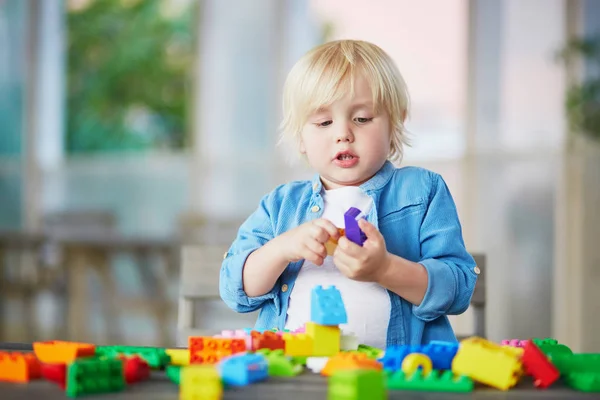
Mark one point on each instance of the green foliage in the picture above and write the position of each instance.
(128, 76)
(583, 99)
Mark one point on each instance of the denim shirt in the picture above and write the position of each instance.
(414, 211)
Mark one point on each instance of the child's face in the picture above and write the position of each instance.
(346, 142)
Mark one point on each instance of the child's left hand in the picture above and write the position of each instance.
(367, 263)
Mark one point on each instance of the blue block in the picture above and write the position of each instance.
(242, 370)
(441, 355)
(327, 306)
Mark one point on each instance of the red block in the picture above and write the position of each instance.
(135, 369)
(537, 365)
(55, 373)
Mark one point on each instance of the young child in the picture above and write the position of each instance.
(345, 104)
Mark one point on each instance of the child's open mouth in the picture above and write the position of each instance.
(345, 160)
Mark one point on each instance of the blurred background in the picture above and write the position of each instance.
(131, 128)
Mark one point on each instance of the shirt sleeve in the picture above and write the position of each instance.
(256, 231)
(450, 268)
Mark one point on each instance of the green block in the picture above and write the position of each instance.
(580, 362)
(434, 382)
(551, 347)
(371, 352)
(174, 373)
(280, 364)
(357, 385)
(88, 375)
(156, 357)
(584, 381)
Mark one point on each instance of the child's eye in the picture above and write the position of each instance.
(361, 120)
(325, 123)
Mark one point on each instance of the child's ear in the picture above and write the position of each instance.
(403, 116)
(301, 147)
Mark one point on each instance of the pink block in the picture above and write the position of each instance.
(514, 342)
(237, 334)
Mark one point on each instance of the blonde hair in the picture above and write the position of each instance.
(326, 74)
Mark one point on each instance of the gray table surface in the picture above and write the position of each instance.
(304, 386)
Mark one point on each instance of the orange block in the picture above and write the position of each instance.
(58, 352)
(209, 350)
(346, 361)
(19, 367)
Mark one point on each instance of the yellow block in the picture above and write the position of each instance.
(488, 363)
(326, 339)
(413, 361)
(200, 382)
(179, 356)
(298, 344)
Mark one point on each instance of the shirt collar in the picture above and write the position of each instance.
(376, 182)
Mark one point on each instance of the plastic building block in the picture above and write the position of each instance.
(513, 342)
(416, 361)
(584, 381)
(581, 362)
(173, 372)
(299, 344)
(453, 345)
(326, 339)
(348, 342)
(537, 364)
(210, 350)
(200, 382)
(551, 347)
(267, 340)
(135, 369)
(280, 364)
(59, 352)
(370, 351)
(87, 376)
(347, 361)
(353, 232)
(488, 363)
(156, 357)
(19, 367)
(56, 373)
(242, 370)
(179, 356)
(238, 334)
(515, 351)
(357, 385)
(332, 243)
(316, 364)
(441, 356)
(433, 382)
(327, 306)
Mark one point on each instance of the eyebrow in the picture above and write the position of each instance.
(367, 104)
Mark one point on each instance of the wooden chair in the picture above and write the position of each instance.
(201, 310)
(478, 299)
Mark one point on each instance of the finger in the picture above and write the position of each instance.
(312, 256)
(329, 227)
(317, 248)
(369, 229)
(345, 264)
(350, 248)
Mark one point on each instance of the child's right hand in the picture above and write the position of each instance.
(307, 241)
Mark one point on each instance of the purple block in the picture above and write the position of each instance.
(353, 232)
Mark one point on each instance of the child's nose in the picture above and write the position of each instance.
(345, 135)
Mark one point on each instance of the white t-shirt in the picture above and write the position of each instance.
(367, 304)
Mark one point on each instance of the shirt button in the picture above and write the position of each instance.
(284, 288)
(477, 270)
(315, 208)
